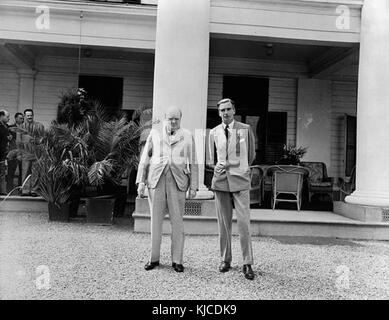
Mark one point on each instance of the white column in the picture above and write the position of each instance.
(181, 68)
(372, 173)
(26, 89)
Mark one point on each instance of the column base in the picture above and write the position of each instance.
(372, 214)
(377, 199)
(204, 194)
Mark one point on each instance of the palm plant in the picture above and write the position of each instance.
(60, 161)
(114, 145)
(94, 151)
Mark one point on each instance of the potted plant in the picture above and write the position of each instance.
(292, 155)
(114, 150)
(59, 168)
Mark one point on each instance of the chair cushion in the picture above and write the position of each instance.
(315, 171)
(321, 184)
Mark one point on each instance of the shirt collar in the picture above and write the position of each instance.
(230, 126)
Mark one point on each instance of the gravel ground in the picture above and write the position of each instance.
(87, 261)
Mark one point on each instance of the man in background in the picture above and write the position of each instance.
(5, 137)
(14, 157)
(33, 129)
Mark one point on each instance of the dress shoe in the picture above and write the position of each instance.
(151, 265)
(224, 267)
(178, 267)
(248, 272)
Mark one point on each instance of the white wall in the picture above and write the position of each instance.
(314, 119)
(301, 20)
(282, 83)
(56, 75)
(344, 101)
(9, 88)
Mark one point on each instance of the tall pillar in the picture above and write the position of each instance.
(26, 89)
(372, 174)
(181, 68)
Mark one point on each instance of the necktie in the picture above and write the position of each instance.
(226, 131)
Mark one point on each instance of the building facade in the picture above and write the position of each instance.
(301, 71)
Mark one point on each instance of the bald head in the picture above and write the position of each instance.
(4, 115)
(173, 117)
(173, 110)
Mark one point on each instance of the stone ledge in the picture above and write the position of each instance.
(198, 225)
(207, 206)
(23, 204)
(359, 212)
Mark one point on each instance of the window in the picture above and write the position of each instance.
(108, 90)
(350, 143)
(276, 135)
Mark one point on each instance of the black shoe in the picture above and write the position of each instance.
(178, 267)
(224, 266)
(151, 265)
(248, 272)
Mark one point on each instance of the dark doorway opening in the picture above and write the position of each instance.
(251, 96)
(350, 143)
(107, 90)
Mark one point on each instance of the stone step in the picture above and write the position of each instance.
(266, 222)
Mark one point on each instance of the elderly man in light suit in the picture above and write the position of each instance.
(232, 148)
(168, 168)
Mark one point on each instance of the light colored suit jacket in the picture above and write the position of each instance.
(240, 153)
(177, 151)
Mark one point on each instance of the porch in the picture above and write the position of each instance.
(264, 222)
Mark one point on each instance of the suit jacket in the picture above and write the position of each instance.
(240, 153)
(177, 151)
(4, 132)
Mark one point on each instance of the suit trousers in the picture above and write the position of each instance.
(167, 197)
(223, 201)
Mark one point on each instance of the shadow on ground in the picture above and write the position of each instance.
(319, 241)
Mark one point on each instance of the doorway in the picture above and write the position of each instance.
(251, 96)
(107, 90)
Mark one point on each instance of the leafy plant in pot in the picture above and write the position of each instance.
(292, 155)
(59, 168)
(113, 149)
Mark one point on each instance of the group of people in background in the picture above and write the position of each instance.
(13, 165)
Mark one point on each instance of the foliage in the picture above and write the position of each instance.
(292, 154)
(60, 166)
(89, 148)
(73, 107)
(115, 145)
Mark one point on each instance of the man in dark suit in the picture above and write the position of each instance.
(5, 137)
(33, 130)
(14, 156)
(232, 148)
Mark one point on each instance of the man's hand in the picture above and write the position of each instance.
(192, 194)
(220, 167)
(141, 189)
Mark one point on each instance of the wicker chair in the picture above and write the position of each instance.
(287, 179)
(318, 181)
(256, 174)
